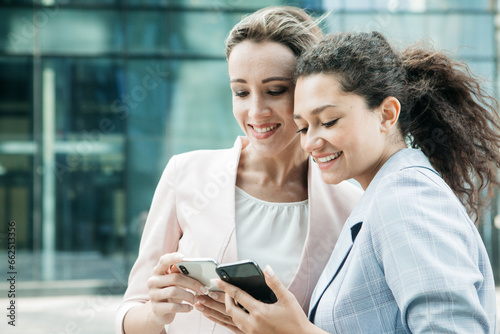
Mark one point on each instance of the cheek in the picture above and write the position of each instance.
(336, 137)
(284, 109)
(284, 103)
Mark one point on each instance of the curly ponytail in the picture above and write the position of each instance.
(453, 121)
(444, 110)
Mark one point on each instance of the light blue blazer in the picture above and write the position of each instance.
(417, 263)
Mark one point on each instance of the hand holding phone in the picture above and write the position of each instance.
(201, 269)
(247, 276)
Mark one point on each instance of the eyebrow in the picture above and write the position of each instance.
(316, 111)
(265, 80)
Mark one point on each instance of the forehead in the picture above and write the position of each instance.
(316, 91)
(262, 58)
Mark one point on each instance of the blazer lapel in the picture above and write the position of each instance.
(336, 262)
(229, 250)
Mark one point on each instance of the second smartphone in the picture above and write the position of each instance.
(247, 276)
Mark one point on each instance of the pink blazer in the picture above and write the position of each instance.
(193, 212)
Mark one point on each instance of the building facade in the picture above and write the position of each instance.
(98, 95)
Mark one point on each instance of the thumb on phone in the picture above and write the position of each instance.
(275, 284)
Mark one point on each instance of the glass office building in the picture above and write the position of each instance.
(96, 96)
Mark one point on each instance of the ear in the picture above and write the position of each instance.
(389, 113)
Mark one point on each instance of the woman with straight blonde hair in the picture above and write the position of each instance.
(263, 199)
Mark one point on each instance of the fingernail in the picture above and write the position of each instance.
(201, 300)
(203, 290)
(178, 256)
(213, 295)
(199, 307)
(269, 271)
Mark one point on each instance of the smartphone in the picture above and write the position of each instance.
(247, 276)
(201, 269)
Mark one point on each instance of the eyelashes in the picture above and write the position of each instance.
(302, 131)
(276, 92)
(270, 92)
(329, 124)
(240, 94)
(326, 125)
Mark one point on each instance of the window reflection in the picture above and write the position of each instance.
(201, 24)
(134, 82)
(16, 98)
(17, 30)
(201, 112)
(81, 31)
(148, 31)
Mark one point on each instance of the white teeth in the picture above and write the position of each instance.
(262, 130)
(330, 157)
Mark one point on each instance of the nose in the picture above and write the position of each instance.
(258, 108)
(311, 142)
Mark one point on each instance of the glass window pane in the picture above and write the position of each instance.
(229, 4)
(17, 30)
(89, 161)
(90, 202)
(16, 180)
(82, 31)
(426, 5)
(189, 31)
(16, 98)
(149, 2)
(149, 88)
(148, 91)
(17, 2)
(465, 35)
(16, 205)
(399, 28)
(444, 5)
(405, 29)
(358, 5)
(85, 2)
(147, 31)
(215, 5)
(57, 3)
(337, 5)
(486, 70)
(469, 35)
(201, 110)
(87, 95)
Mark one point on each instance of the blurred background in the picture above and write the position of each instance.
(97, 95)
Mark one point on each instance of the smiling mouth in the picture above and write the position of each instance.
(329, 157)
(264, 130)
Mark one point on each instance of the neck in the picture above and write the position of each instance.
(290, 165)
(365, 182)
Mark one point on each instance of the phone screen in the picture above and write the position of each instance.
(247, 276)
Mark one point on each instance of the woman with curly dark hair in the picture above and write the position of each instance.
(422, 137)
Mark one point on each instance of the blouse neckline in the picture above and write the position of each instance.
(260, 201)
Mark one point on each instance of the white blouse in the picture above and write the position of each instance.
(271, 233)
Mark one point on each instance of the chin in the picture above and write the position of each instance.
(330, 179)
